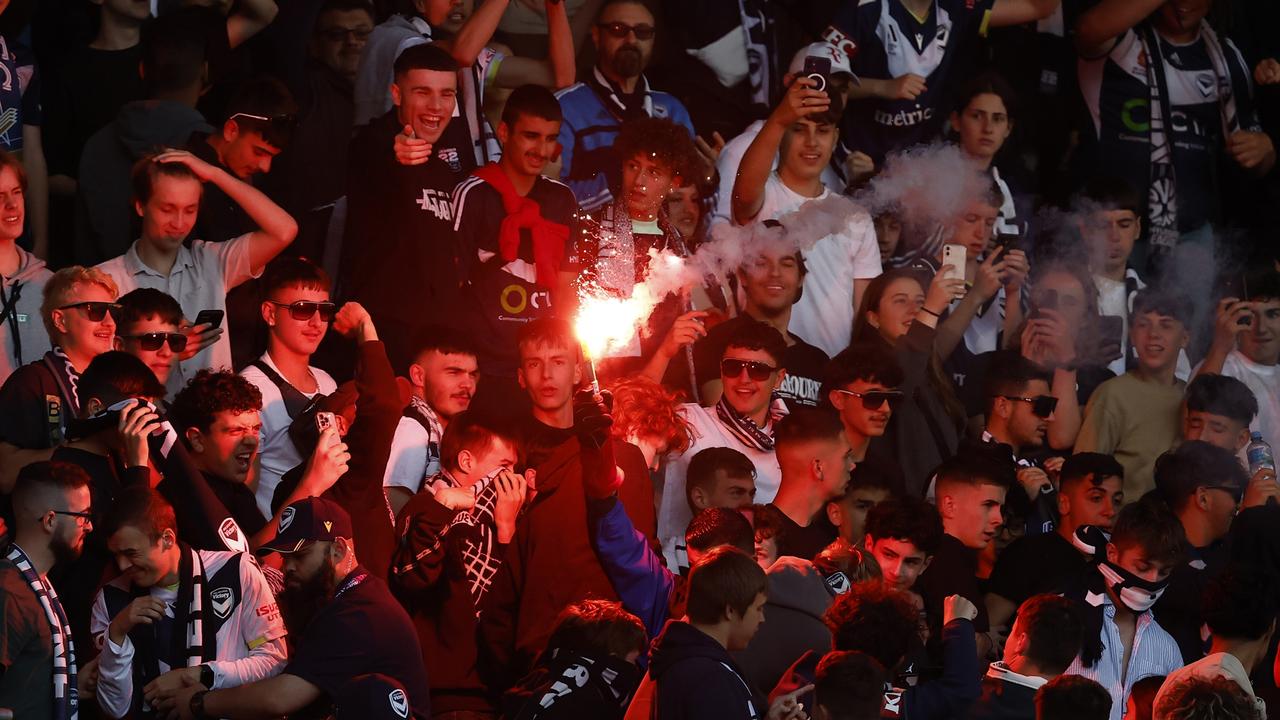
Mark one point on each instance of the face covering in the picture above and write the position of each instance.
(1091, 541)
(1134, 592)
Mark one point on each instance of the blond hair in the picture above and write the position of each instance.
(62, 286)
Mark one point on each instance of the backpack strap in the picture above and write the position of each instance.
(295, 403)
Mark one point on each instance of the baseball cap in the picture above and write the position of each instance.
(839, 58)
(308, 520)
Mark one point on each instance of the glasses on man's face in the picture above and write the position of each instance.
(1237, 492)
(758, 371)
(1042, 406)
(340, 34)
(95, 311)
(155, 340)
(82, 518)
(278, 124)
(621, 30)
(876, 399)
(304, 310)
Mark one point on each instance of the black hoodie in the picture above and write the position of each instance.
(570, 685)
(697, 678)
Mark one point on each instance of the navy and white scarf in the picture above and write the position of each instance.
(66, 702)
(745, 429)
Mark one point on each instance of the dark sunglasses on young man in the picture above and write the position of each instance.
(756, 370)
(1042, 406)
(95, 311)
(621, 30)
(303, 310)
(152, 341)
(876, 399)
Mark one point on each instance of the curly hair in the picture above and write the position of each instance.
(643, 408)
(209, 393)
(662, 140)
(873, 619)
(597, 629)
(1201, 698)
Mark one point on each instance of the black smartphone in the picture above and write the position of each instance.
(1110, 334)
(1007, 241)
(817, 69)
(212, 317)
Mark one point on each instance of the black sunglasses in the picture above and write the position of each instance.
(876, 399)
(621, 30)
(339, 34)
(152, 341)
(303, 310)
(278, 124)
(95, 311)
(756, 370)
(1042, 406)
(82, 517)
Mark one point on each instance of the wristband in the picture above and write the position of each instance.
(206, 676)
(197, 705)
(925, 309)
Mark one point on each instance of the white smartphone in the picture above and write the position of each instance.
(954, 255)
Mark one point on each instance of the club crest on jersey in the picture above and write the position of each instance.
(222, 601)
(231, 537)
(1206, 82)
(449, 156)
(399, 703)
(286, 518)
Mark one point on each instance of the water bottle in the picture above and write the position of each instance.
(1259, 455)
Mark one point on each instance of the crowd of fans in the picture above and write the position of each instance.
(955, 402)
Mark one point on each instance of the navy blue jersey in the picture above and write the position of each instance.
(1116, 92)
(891, 42)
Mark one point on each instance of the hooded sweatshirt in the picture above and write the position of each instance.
(798, 597)
(569, 685)
(104, 211)
(696, 678)
(21, 327)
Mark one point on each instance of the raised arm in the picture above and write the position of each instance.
(249, 19)
(801, 101)
(557, 71)
(1108, 20)
(276, 228)
(1017, 12)
(477, 31)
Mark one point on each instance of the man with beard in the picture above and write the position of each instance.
(443, 379)
(344, 621)
(177, 617)
(37, 656)
(615, 92)
(510, 279)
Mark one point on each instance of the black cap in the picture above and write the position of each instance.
(306, 521)
(373, 697)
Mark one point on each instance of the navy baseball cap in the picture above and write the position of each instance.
(306, 521)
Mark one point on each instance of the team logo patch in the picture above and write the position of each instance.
(328, 526)
(449, 156)
(231, 536)
(1206, 82)
(399, 703)
(286, 518)
(222, 601)
(838, 583)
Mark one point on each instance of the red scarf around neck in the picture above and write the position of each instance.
(549, 237)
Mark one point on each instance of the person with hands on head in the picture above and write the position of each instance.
(1246, 346)
(1172, 47)
(801, 135)
(217, 602)
(39, 673)
(344, 622)
(167, 188)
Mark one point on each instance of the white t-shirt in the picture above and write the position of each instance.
(1264, 381)
(727, 165)
(199, 280)
(673, 508)
(250, 643)
(824, 315)
(409, 463)
(276, 453)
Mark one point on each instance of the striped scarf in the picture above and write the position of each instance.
(186, 650)
(66, 703)
(1162, 201)
(745, 429)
